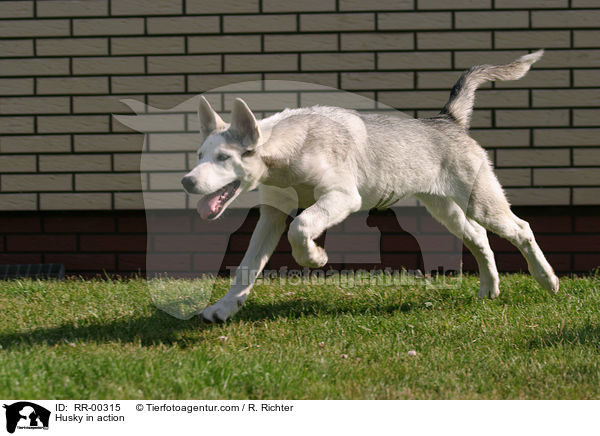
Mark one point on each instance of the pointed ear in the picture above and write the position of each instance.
(209, 119)
(244, 125)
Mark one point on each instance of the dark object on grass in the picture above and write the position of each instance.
(33, 271)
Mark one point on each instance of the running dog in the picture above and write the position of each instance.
(337, 161)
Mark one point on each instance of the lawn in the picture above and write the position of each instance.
(104, 339)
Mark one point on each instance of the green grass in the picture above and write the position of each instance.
(105, 339)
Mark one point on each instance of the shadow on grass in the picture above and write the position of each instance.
(587, 335)
(161, 328)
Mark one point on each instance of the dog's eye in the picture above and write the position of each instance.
(222, 157)
(199, 156)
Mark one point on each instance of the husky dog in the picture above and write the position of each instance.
(339, 161)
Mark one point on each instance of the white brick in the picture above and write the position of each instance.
(108, 65)
(184, 64)
(453, 40)
(538, 196)
(492, 20)
(586, 157)
(154, 123)
(570, 59)
(221, 7)
(72, 85)
(301, 42)
(16, 124)
(143, 84)
(261, 62)
(166, 181)
(73, 123)
(414, 60)
(299, 81)
(377, 41)
(16, 47)
(585, 196)
(331, 22)
(149, 45)
(75, 201)
(338, 61)
(183, 25)
(72, 8)
(16, 9)
(526, 118)
(414, 20)
(566, 137)
(16, 86)
(533, 38)
(22, 28)
(375, 5)
(108, 182)
(586, 38)
(174, 141)
(586, 78)
(75, 163)
(532, 157)
(531, 4)
(566, 97)
(207, 82)
(379, 80)
(565, 19)
(501, 137)
(36, 182)
(296, 6)
(263, 101)
(453, 4)
(17, 164)
(35, 105)
(513, 176)
(413, 99)
(108, 26)
(146, 7)
(259, 23)
(112, 142)
(18, 202)
(566, 176)
(34, 67)
(586, 117)
(35, 144)
(224, 44)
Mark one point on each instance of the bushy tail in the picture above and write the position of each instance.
(460, 105)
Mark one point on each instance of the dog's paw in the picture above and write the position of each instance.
(488, 291)
(222, 310)
(315, 257)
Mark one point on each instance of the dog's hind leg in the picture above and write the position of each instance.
(488, 206)
(267, 233)
(330, 209)
(474, 236)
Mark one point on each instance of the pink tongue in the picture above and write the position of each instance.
(209, 204)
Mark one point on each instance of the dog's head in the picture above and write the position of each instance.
(228, 159)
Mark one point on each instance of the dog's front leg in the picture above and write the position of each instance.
(330, 209)
(271, 225)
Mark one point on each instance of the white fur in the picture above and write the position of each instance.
(333, 162)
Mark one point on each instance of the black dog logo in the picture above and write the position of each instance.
(26, 415)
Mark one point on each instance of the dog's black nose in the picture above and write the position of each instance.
(188, 183)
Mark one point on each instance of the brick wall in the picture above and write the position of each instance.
(65, 66)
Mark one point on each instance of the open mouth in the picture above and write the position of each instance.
(210, 206)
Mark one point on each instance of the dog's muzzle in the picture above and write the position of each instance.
(189, 184)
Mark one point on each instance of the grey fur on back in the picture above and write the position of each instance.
(460, 105)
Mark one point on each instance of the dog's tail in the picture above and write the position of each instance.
(460, 105)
